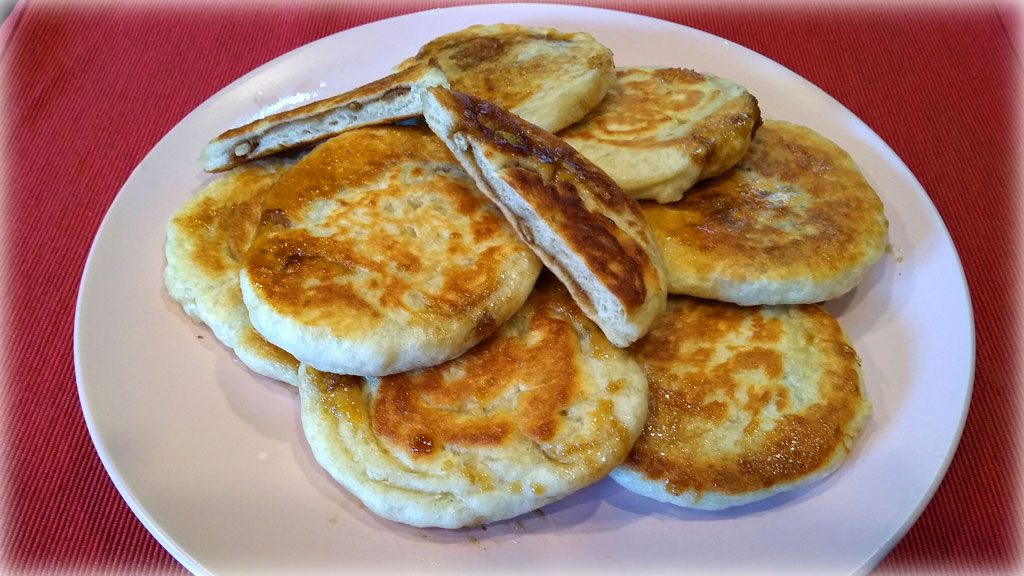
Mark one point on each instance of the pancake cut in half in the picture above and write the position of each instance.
(206, 239)
(660, 130)
(576, 219)
(794, 222)
(377, 254)
(547, 77)
(745, 402)
(390, 99)
(542, 408)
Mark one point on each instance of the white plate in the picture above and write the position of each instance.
(212, 460)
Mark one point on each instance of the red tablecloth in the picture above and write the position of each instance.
(92, 86)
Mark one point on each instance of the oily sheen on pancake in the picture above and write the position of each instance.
(547, 77)
(660, 130)
(576, 219)
(377, 254)
(542, 408)
(794, 222)
(206, 239)
(745, 402)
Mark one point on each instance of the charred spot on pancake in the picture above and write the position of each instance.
(485, 325)
(293, 260)
(275, 217)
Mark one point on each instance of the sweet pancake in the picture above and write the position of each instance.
(660, 130)
(745, 402)
(794, 222)
(547, 77)
(537, 411)
(377, 254)
(580, 223)
(206, 239)
(395, 97)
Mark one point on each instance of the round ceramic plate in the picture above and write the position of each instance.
(212, 458)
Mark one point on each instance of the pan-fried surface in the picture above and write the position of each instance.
(580, 223)
(377, 254)
(660, 130)
(794, 222)
(745, 402)
(206, 239)
(540, 409)
(389, 99)
(547, 77)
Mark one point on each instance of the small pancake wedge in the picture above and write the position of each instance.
(580, 223)
(540, 409)
(377, 254)
(547, 77)
(660, 130)
(745, 402)
(206, 239)
(390, 99)
(794, 222)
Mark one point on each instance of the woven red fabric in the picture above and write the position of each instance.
(91, 87)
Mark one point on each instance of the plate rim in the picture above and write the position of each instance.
(187, 560)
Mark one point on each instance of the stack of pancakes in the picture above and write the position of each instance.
(510, 269)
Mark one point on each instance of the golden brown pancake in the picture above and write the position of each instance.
(377, 254)
(537, 411)
(660, 130)
(206, 239)
(547, 77)
(794, 222)
(745, 402)
(577, 220)
(390, 99)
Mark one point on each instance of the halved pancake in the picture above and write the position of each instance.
(745, 402)
(377, 254)
(537, 411)
(580, 223)
(547, 77)
(660, 130)
(794, 222)
(206, 239)
(395, 97)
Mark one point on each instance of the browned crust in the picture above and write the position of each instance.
(480, 60)
(554, 180)
(731, 225)
(640, 107)
(219, 230)
(281, 261)
(420, 412)
(690, 396)
(383, 89)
